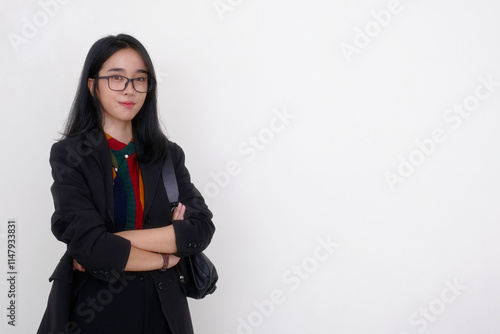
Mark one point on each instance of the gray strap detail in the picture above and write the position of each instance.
(170, 180)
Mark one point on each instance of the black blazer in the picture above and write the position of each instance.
(84, 219)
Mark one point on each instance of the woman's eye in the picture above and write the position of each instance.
(141, 79)
(117, 77)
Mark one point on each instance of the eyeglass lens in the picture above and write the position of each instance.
(118, 82)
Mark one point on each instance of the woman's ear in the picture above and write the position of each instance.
(90, 84)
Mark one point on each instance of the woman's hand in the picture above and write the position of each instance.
(172, 260)
(179, 212)
(78, 266)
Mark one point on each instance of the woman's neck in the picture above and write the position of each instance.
(121, 132)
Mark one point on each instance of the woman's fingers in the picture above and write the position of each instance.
(179, 212)
(183, 210)
(77, 266)
(173, 260)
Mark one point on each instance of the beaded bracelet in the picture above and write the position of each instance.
(165, 261)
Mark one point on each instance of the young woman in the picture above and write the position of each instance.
(111, 208)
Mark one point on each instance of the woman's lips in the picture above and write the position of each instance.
(127, 104)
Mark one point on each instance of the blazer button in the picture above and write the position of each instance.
(188, 244)
(200, 244)
(101, 272)
(95, 271)
(160, 285)
(147, 220)
(106, 274)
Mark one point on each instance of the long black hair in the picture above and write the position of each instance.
(86, 115)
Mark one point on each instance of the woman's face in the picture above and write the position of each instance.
(120, 107)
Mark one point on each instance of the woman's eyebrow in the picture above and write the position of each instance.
(117, 69)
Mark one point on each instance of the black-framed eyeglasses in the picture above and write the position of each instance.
(142, 84)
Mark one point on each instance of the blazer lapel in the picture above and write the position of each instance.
(102, 154)
(150, 177)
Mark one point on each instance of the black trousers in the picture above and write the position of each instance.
(128, 306)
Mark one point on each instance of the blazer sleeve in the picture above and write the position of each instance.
(194, 233)
(76, 220)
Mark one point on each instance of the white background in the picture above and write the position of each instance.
(353, 118)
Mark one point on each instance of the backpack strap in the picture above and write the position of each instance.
(170, 181)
